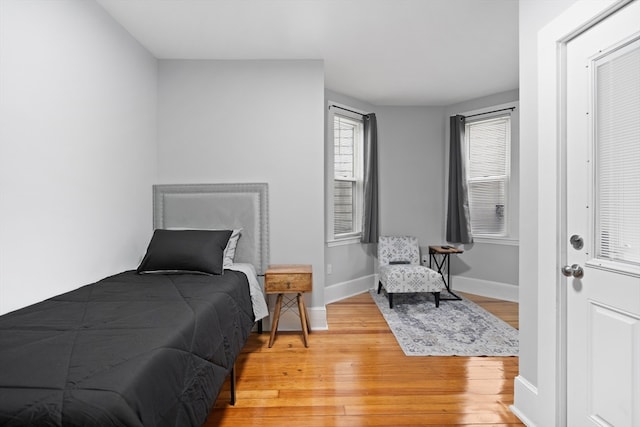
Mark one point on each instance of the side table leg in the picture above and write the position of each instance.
(306, 316)
(441, 266)
(276, 319)
(304, 321)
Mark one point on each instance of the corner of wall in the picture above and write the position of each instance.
(340, 291)
(486, 288)
(525, 405)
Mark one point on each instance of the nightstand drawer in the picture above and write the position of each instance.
(290, 282)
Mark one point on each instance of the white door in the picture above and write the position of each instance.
(603, 222)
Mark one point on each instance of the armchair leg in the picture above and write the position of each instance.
(379, 286)
(390, 295)
(437, 296)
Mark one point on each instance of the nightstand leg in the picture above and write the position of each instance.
(304, 321)
(276, 319)
(306, 316)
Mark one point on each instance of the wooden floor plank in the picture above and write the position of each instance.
(355, 374)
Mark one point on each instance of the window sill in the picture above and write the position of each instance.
(497, 240)
(344, 241)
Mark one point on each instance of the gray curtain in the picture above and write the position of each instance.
(458, 219)
(370, 226)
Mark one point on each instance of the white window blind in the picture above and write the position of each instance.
(617, 145)
(347, 141)
(488, 163)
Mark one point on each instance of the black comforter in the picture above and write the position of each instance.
(130, 350)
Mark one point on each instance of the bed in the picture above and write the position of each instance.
(150, 347)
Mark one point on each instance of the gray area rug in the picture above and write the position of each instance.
(456, 328)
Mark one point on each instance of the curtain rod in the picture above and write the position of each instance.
(346, 109)
(489, 112)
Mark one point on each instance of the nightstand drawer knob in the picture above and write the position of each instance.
(288, 285)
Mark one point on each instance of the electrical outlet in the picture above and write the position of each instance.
(329, 268)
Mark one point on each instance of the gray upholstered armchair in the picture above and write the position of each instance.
(400, 270)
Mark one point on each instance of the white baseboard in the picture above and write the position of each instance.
(525, 399)
(318, 318)
(290, 321)
(347, 289)
(498, 290)
(485, 288)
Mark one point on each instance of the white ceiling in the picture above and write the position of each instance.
(385, 52)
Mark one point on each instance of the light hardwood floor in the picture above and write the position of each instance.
(355, 374)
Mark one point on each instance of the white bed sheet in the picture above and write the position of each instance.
(258, 300)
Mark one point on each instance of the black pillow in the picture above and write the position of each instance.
(185, 251)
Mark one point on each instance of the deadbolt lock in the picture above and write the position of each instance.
(577, 242)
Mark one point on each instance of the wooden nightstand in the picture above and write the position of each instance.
(283, 279)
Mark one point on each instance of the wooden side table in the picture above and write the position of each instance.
(283, 279)
(443, 264)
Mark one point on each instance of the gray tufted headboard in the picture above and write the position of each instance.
(219, 206)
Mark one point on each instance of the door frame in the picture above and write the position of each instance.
(552, 207)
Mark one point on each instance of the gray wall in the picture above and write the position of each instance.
(77, 148)
(413, 144)
(353, 261)
(252, 121)
(411, 157)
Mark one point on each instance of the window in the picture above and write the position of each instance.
(488, 173)
(347, 135)
(617, 166)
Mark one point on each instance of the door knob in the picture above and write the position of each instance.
(573, 270)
